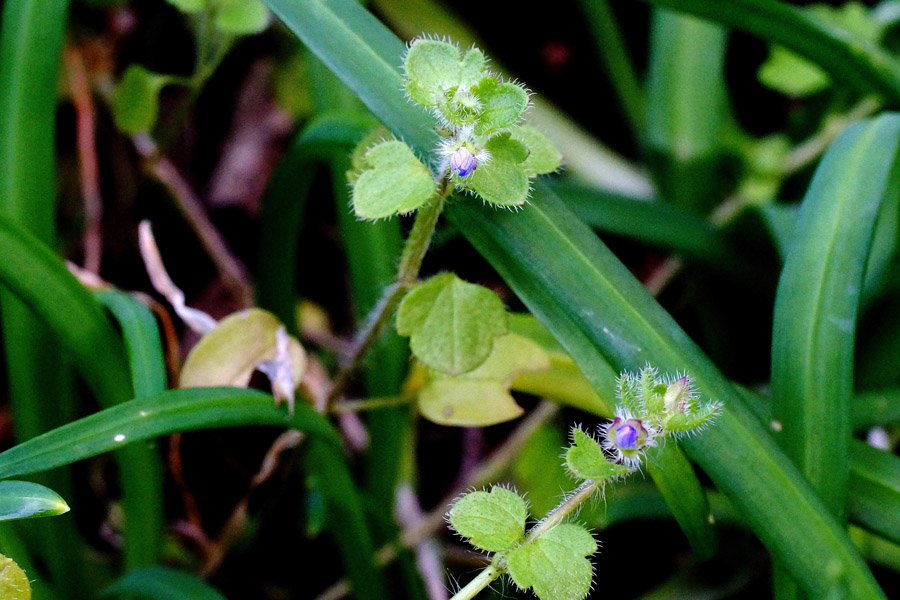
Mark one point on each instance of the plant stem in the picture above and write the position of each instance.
(484, 579)
(410, 262)
(562, 511)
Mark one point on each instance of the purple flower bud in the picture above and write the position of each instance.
(626, 436)
(462, 162)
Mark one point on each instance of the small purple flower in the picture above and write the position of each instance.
(462, 162)
(627, 438)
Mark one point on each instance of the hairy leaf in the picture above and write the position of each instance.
(493, 521)
(554, 565)
(395, 182)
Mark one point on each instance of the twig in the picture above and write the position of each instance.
(92, 240)
(230, 269)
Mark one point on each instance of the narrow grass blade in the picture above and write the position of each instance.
(818, 299)
(875, 481)
(24, 500)
(687, 108)
(161, 583)
(142, 470)
(859, 63)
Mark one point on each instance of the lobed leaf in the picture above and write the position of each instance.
(543, 155)
(585, 459)
(502, 105)
(503, 180)
(395, 182)
(554, 565)
(481, 397)
(493, 521)
(451, 323)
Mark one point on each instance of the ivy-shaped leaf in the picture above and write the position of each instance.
(554, 565)
(434, 67)
(543, 155)
(394, 181)
(503, 104)
(481, 397)
(451, 323)
(503, 180)
(14, 583)
(136, 100)
(585, 459)
(493, 521)
(242, 17)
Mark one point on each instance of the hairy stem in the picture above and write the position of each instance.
(410, 262)
(568, 506)
(484, 579)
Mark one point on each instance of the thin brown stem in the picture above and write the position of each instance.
(229, 267)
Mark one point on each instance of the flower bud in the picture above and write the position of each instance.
(678, 396)
(627, 438)
(462, 162)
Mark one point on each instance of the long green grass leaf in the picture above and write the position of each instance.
(142, 471)
(857, 62)
(818, 300)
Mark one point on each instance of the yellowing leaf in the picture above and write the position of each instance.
(230, 353)
(14, 583)
(481, 397)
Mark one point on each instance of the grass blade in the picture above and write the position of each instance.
(24, 500)
(818, 300)
(161, 583)
(875, 481)
(857, 62)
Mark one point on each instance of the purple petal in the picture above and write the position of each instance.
(626, 436)
(462, 162)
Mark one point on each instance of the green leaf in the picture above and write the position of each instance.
(23, 500)
(493, 521)
(189, 6)
(585, 459)
(451, 323)
(858, 63)
(395, 182)
(161, 583)
(471, 69)
(785, 72)
(554, 565)
(818, 298)
(228, 355)
(242, 17)
(432, 67)
(503, 179)
(481, 397)
(14, 583)
(875, 481)
(543, 155)
(136, 101)
(502, 105)
(153, 416)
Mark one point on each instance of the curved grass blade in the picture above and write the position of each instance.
(40, 279)
(142, 472)
(687, 108)
(24, 500)
(857, 62)
(875, 481)
(161, 583)
(818, 300)
(145, 418)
